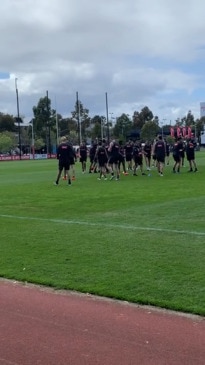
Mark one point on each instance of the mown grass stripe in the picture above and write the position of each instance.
(107, 225)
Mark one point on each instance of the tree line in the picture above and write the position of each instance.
(47, 126)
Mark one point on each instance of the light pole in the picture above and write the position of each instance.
(163, 120)
(18, 117)
(80, 126)
(112, 119)
(102, 127)
(108, 129)
(195, 131)
(57, 130)
(48, 127)
(32, 140)
(78, 118)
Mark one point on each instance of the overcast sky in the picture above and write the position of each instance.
(139, 52)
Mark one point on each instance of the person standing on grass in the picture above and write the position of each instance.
(122, 158)
(102, 159)
(167, 145)
(64, 154)
(147, 154)
(114, 158)
(92, 155)
(182, 151)
(154, 161)
(83, 156)
(72, 162)
(190, 153)
(129, 154)
(73, 158)
(176, 156)
(160, 153)
(138, 158)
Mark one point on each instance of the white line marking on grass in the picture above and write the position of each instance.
(107, 225)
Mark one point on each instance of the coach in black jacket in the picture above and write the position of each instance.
(64, 155)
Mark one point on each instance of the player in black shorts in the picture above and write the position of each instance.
(72, 162)
(190, 153)
(160, 153)
(182, 151)
(138, 158)
(64, 154)
(102, 159)
(92, 155)
(83, 156)
(122, 158)
(114, 158)
(167, 146)
(176, 156)
(147, 154)
(73, 158)
(129, 154)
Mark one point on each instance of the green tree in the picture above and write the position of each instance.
(156, 119)
(80, 111)
(146, 114)
(97, 127)
(137, 122)
(186, 121)
(42, 114)
(170, 140)
(73, 137)
(96, 120)
(44, 120)
(122, 127)
(96, 132)
(67, 125)
(139, 119)
(180, 122)
(25, 136)
(7, 123)
(166, 130)
(190, 119)
(81, 116)
(6, 142)
(63, 127)
(149, 130)
(39, 143)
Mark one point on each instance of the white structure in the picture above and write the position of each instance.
(202, 109)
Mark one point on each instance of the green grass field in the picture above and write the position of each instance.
(141, 239)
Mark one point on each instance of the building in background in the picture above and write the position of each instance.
(202, 109)
(202, 114)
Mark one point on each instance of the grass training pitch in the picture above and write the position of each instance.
(140, 239)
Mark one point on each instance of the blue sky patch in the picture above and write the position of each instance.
(4, 75)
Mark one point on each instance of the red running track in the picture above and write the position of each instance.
(41, 326)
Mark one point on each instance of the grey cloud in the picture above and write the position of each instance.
(65, 46)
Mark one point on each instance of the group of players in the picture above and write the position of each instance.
(134, 155)
(115, 157)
